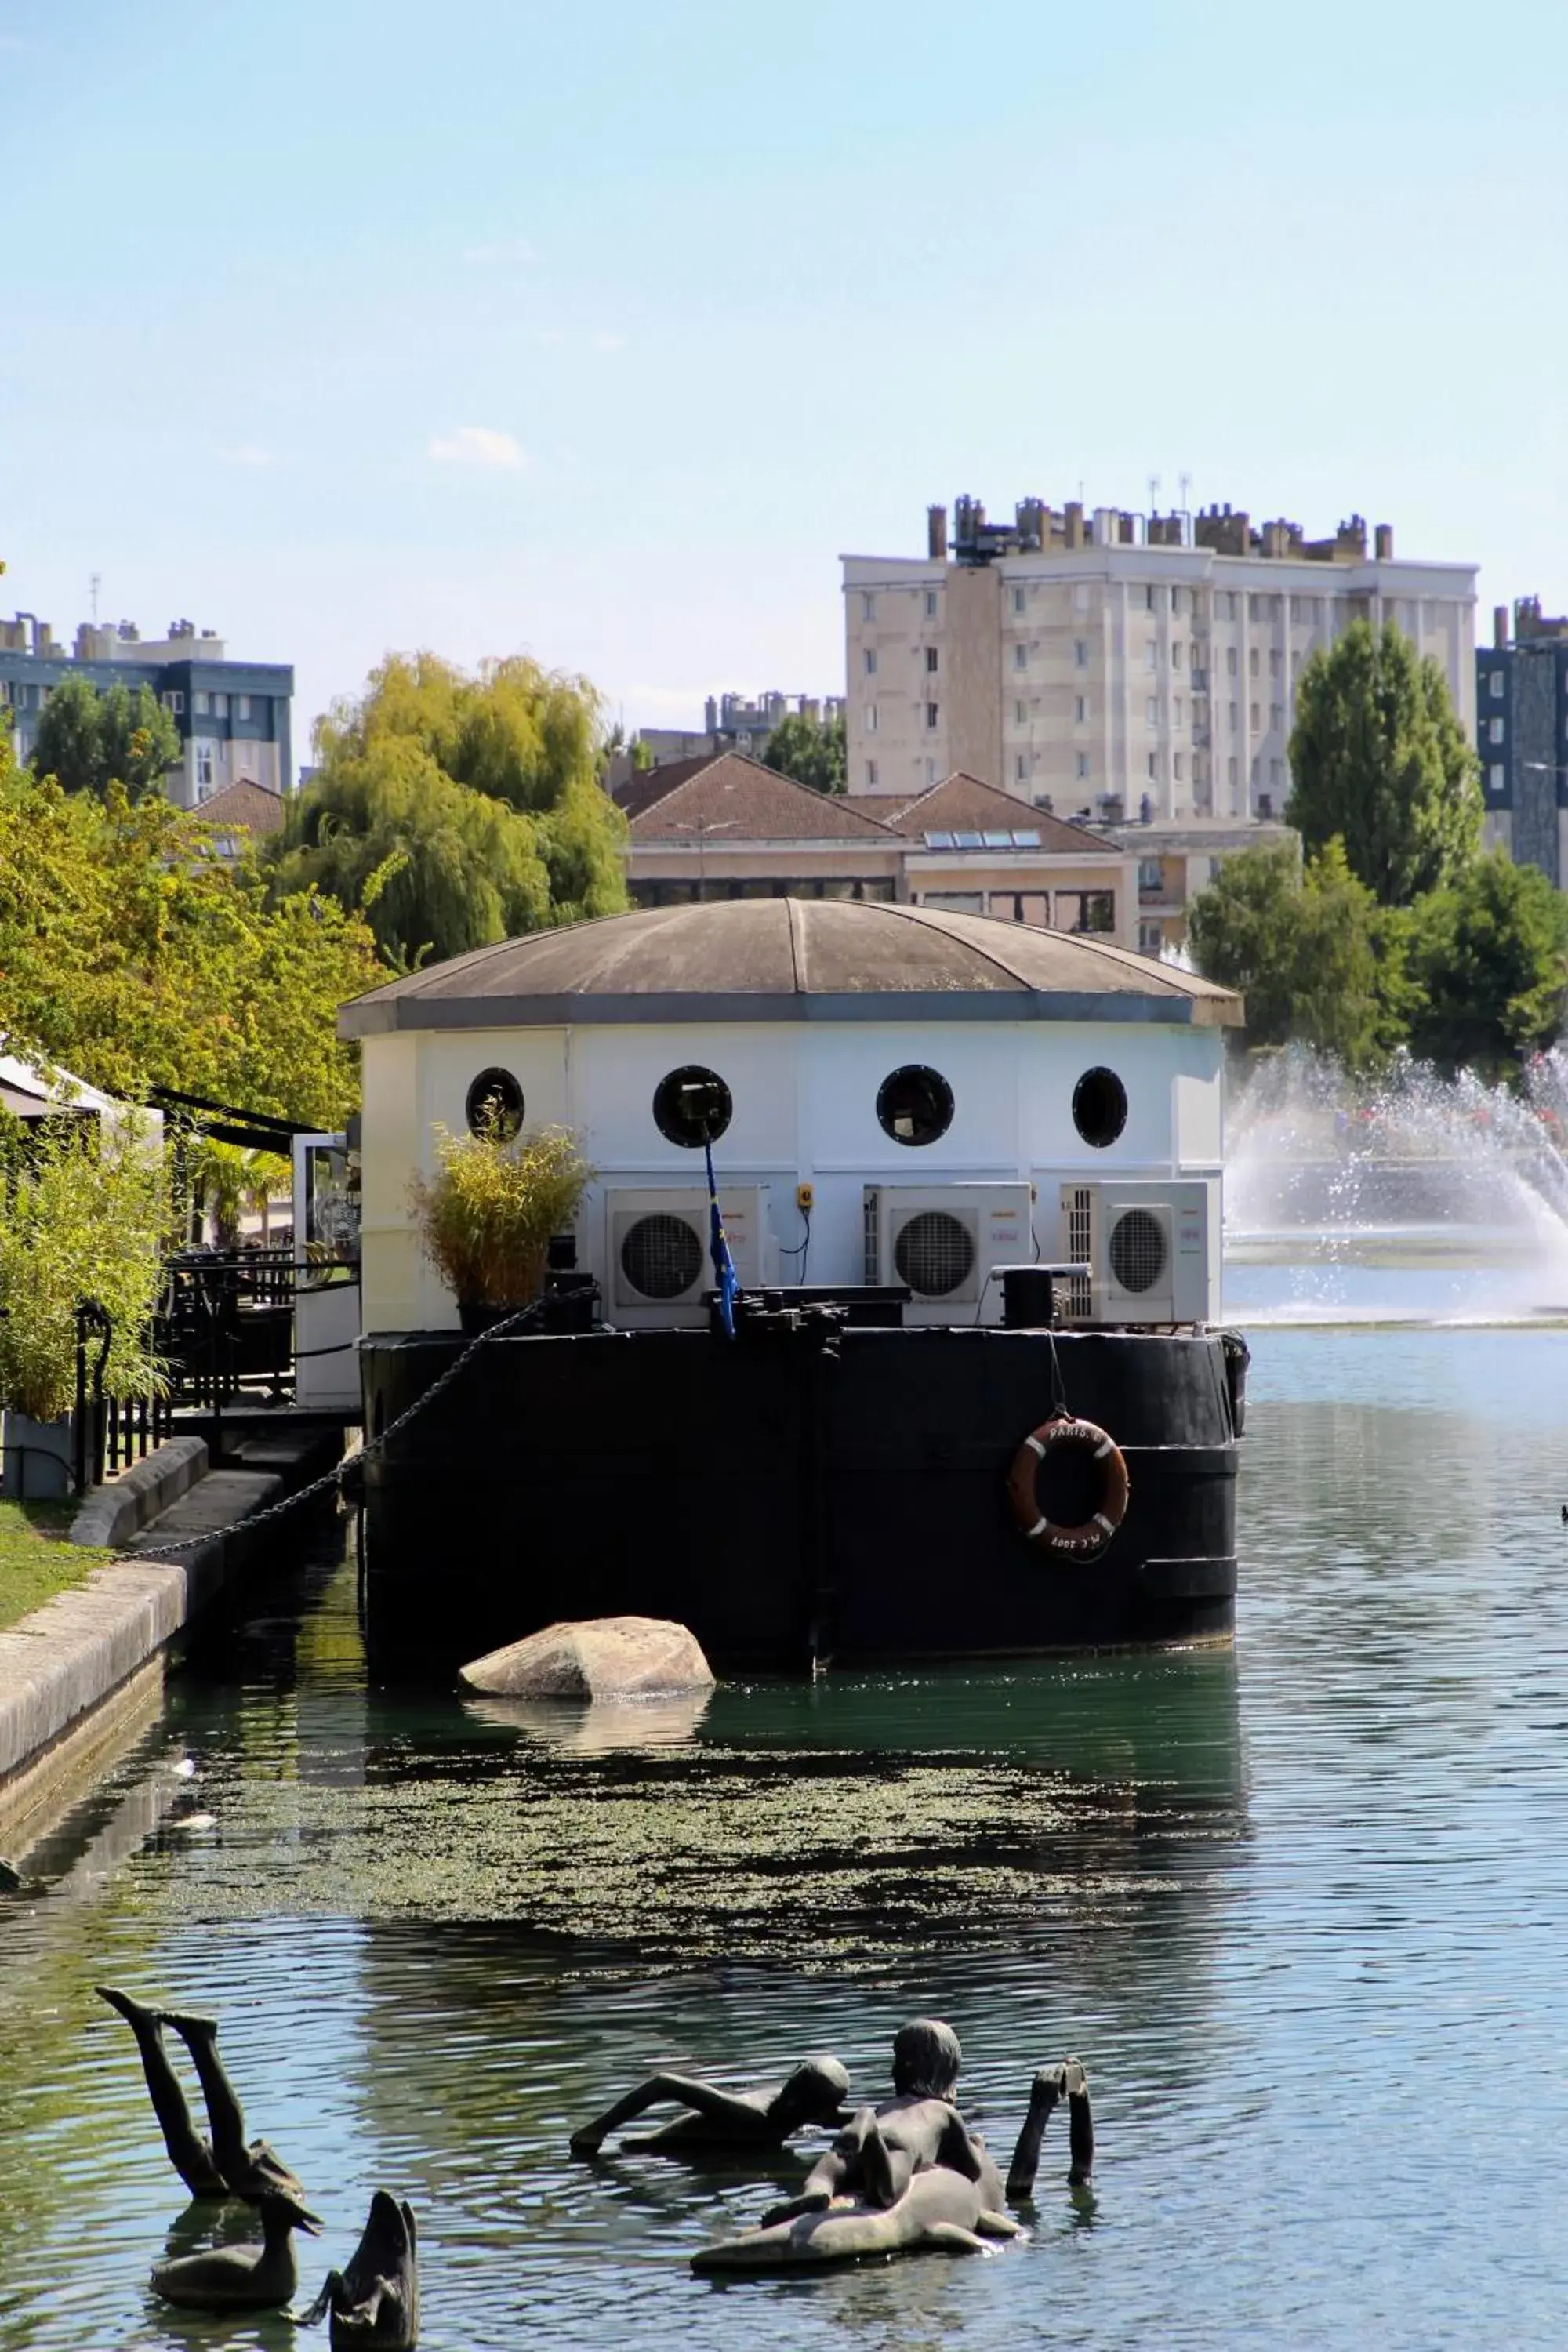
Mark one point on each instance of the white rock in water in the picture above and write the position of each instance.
(593, 1658)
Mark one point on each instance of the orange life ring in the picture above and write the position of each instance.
(1085, 1436)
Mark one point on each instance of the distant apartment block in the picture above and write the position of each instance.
(1115, 665)
(731, 722)
(233, 716)
(1521, 734)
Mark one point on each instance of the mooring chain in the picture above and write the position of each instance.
(335, 1477)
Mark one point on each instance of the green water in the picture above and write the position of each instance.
(1300, 1909)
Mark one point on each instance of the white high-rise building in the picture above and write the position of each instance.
(1117, 664)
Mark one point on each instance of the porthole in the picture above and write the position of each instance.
(1100, 1108)
(661, 1257)
(693, 1106)
(914, 1105)
(494, 1104)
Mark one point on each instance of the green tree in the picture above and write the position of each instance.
(455, 811)
(130, 954)
(88, 740)
(1315, 956)
(1378, 756)
(812, 751)
(1488, 968)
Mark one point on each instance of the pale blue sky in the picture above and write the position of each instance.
(346, 324)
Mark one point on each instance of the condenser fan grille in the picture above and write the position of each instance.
(934, 1254)
(1137, 1250)
(661, 1257)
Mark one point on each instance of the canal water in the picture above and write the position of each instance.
(1301, 1909)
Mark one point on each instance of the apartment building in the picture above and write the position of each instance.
(1521, 735)
(1115, 665)
(233, 716)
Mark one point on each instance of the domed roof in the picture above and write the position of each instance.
(789, 960)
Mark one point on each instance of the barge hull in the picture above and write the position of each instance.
(788, 1500)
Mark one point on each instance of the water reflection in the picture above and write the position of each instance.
(601, 1729)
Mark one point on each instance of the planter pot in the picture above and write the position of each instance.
(39, 1458)
(474, 1317)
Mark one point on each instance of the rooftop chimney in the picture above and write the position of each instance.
(1499, 627)
(1382, 542)
(936, 534)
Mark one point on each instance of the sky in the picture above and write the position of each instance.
(343, 326)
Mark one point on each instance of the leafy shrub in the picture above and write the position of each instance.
(487, 1216)
(81, 1219)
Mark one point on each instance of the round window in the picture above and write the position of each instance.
(494, 1104)
(933, 1254)
(1100, 1108)
(914, 1105)
(691, 1107)
(661, 1257)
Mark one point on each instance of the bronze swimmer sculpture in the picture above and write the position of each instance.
(375, 2301)
(718, 2120)
(226, 2166)
(909, 2175)
(241, 2278)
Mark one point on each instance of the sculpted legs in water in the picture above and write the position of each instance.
(715, 2119)
(225, 2167)
(375, 2301)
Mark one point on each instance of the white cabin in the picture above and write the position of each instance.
(903, 1095)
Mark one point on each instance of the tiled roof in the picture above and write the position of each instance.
(244, 807)
(644, 786)
(960, 802)
(737, 799)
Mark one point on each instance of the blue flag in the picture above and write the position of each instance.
(724, 1274)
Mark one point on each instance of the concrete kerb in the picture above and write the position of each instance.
(112, 1514)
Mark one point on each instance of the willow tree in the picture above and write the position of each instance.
(1379, 758)
(453, 810)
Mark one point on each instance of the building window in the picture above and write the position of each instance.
(220, 706)
(1081, 708)
(1276, 716)
(931, 772)
(693, 1106)
(1495, 730)
(1178, 764)
(1230, 774)
(868, 661)
(931, 603)
(1149, 593)
(930, 661)
(1252, 709)
(173, 702)
(1152, 712)
(1082, 764)
(1275, 772)
(1273, 661)
(201, 705)
(1235, 721)
(1080, 653)
(870, 719)
(870, 775)
(1091, 910)
(1176, 657)
(1153, 765)
(206, 763)
(245, 710)
(1151, 656)
(914, 1105)
(1494, 685)
(1020, 714)
(1021, 768)
(868, 606)
(932, 711)
(1230, 661)
(1176, 711)
(1252, 663)
(1497, 776)
(494, 1106)
(1020, 600)
(1020, 657)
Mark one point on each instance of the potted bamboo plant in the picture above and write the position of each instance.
(487, 1214)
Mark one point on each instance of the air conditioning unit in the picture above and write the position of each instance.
(657, 1252)
(943, 1240)
(1153, 1249)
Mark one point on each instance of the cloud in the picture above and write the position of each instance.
(551, 337)
(606, 340)
(247, 453)
(479, 444)
(515, 250)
